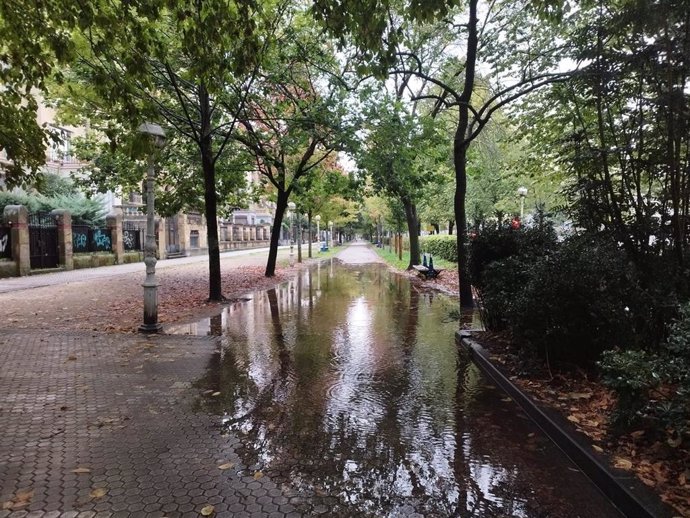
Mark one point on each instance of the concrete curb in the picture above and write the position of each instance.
(617, 485)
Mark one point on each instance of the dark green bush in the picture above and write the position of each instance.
(653, 387)
(499, 243)
(442, 247)
(578, 301)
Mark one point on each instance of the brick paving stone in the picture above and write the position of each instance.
(104, 425)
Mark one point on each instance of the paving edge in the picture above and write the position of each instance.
(615, 485)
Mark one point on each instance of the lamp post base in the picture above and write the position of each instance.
(150, 328)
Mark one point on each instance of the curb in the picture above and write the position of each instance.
(617, 485)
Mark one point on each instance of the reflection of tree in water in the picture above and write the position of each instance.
(350, 399)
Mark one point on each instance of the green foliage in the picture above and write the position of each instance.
(653, 387)
(443, 247)
(31, 203)
(496, 243)
(87, 211)
(578, 301)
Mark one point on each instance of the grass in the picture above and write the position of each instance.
(392, 259)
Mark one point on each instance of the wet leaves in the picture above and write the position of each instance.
(658, 462)
(258, 475)
(207, 510)
(81, 470)
(227, 465)
(98, 492)
(20, 500)
(622, 463)
(182, 294)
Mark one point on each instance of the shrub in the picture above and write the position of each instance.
(653, 387)
(577, 302)
(499, 243)
(443, 247)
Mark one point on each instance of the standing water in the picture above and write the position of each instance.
(346, 388)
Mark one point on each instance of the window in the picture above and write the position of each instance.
(61, 151)
(194, 239)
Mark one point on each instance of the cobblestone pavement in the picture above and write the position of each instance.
(105, 425)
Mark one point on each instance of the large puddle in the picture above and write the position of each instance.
(346, 387)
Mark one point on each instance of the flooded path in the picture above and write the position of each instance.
(346, 388)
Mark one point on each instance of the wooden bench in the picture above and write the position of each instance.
(425, 272)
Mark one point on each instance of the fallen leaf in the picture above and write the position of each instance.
(81, 470)
(207, 511)
(215, 394)
(573, 419)
(99, 492)
(227, 465)
(258, 475)
(598, 449)
(622, 463)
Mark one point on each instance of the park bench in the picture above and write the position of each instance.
(426, 271)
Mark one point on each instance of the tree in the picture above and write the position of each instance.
(192, 69)
(36, 42)
(397, 155)
(620, 132)
(508, 38)
(294, 117)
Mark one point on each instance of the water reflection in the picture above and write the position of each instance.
(347, 388)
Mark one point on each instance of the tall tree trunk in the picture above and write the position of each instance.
(460, 146)
(451, 224)
(309, 231)
(208, 166)
(281, 205)
(436, 226)
(299, 236)
(413, 230)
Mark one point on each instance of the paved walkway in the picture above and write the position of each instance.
(64, 277)
(359, 252)
(96, 424)
(107, 425)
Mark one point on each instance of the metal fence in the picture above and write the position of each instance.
(43, 240)
(5, 242)
(89, 239)
(132, 236)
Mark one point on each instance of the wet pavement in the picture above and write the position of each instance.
(340, 393)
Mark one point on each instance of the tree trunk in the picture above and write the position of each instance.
(208, 166)
(400, 246)
(281, 205)
(460, 146)
(451, 223)
(299, 237)
(413, 230)
(437, 228)
(309, 231)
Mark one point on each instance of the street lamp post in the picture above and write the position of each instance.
(291, 209)
(151, 325)
(317, 218)
(522, 192)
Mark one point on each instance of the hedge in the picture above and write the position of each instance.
(441, 246)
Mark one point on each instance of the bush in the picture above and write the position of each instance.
(653, 387)
(443, 247)
(85, 211)
(580, 300)
(499, 243)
